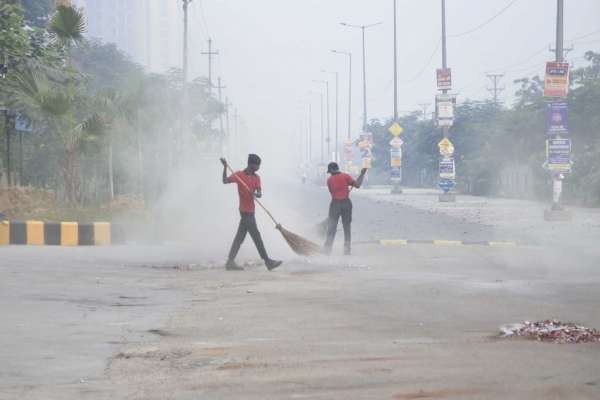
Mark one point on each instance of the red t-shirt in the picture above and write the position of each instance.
(246, 198)
(338, 185)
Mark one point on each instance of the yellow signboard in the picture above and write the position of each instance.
(446, 147)
(396, 129)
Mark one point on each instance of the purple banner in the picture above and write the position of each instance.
(557, 118)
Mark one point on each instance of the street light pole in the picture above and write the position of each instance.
(328, 140)
(395, 67)
(349, 89)
(337, 86)
(364, 62)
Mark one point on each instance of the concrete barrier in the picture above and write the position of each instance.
(40, 233)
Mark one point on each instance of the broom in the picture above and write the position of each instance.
(298, 244)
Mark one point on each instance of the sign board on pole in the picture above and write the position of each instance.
(557, 118)
(444, 79)
(396, 143)
(446, 147)
(396, 174)
(556, 82)
(444, 105)
(23, 123)
(395, 157)
(396, 130)
(558, 154)
(365, 146)
(447, 170)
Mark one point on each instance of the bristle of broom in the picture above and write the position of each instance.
(298, 244)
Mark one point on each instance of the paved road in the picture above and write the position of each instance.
(162, 322)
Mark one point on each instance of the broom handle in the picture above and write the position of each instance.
(241, 182)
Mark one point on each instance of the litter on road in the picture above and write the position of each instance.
(553, 331)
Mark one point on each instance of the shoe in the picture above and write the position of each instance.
(272, 264)
(232, 266)
(347, 252)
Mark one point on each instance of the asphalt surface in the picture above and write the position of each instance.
(419, 321)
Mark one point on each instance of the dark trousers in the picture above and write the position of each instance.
(337, 209)
(247, 225)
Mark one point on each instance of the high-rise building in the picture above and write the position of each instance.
(148, 30)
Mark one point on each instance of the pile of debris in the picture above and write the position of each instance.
(552, 330)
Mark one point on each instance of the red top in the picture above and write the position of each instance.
(246, 198)
(338, 185)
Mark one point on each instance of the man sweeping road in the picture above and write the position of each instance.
(249, 187)
(341, 206)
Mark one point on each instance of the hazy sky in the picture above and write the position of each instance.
(271, 50)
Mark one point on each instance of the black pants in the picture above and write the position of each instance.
(337, 209)
(247, 225)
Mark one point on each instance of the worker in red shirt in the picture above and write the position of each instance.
(339, 185)
(247, 193)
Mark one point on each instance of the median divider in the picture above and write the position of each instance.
(40, 233)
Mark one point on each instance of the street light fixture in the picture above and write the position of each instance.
(363, 28)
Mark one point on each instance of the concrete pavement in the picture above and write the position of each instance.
(388, 323)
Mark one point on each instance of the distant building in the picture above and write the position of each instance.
(148, 30)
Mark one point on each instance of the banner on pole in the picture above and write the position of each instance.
(447, 169)
(444, 78)
(557, 118)
(556, 82)
(558, 155)
(444, 109)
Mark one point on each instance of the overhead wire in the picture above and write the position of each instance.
(483, 24)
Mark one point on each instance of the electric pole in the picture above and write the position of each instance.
(328, 139)
(424, 106)
(210, 53)
(495, 89)
(337, 87)
(349, 89)
(221, 128)
(183, 135)
(364, 62)
(395, 67)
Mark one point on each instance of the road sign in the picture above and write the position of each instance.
(447, 169)
(396, 130)
(557, 118)
(396, 143)
(446, 184)
(558, 155)
(396, 157)
(444, 106)
(23, 123)
(446, 147)
(396, 174)
(556, 82)
(444, 79)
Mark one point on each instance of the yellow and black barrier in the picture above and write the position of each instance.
(60, 233)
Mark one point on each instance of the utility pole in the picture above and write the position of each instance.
(364, 62)
(495, 89)
(424, 106)
(557, 212)
(395, 67)
(347, 53)
(210, 53)
(183, 135)
(337, 86)
(310, 123)
(446, 159)
(7, 133)
(328, 139)
(221, 128)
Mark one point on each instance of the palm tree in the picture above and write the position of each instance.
(67, 25)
